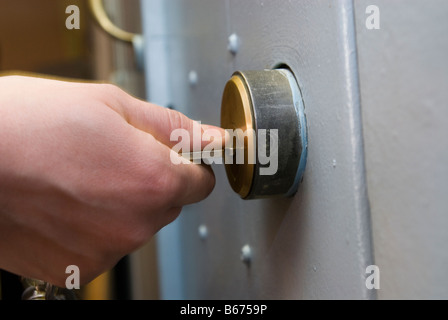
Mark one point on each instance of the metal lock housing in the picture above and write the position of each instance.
(270, 100)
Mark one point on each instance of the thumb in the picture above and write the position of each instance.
(161, 122)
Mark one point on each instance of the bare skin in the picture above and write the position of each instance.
(85, 176)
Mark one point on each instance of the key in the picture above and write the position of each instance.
(215, 154)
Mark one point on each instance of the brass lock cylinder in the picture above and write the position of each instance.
(268, 107)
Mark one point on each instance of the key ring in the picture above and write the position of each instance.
(40, 290)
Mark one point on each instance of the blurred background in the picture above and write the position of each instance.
(34, 39)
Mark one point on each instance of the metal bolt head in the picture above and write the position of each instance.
(246, 254)
(193, 78)
(234, 43)
(203, 231)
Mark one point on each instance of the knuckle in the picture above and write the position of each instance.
(111, 92)
(113, 96)
(111, 88)
(177, 120)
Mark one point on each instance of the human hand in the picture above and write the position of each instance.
(85, 176)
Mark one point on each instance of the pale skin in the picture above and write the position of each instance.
(85, 176)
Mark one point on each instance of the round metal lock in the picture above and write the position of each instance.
(268, 107)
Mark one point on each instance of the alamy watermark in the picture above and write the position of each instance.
(373, 19)
(73, 21)
(74, 279)
(264, 147)
(373, 280)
